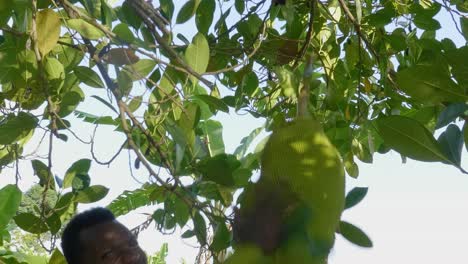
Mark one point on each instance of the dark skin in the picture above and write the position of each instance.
(110, 242)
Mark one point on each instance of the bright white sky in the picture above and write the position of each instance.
(414, 212)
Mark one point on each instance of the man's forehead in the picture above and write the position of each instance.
(105, 231)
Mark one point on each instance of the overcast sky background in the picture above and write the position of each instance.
(414, 212)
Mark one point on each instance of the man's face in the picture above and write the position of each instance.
(110, 242)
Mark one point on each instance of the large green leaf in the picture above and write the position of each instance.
(124, 33)
(91, 194)
(84, 28)
(88, 76)
(430, 84)
(187, 11)
(14, 128)
(31, 223)
(48, 30)
(354, 235)
(197, 54)
(219, 169)
(131, 200)
(204, 15)
(10, 199)
(81, 166)
(410, 138)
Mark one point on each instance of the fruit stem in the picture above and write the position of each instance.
(304, 92)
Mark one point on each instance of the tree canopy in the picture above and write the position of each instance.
(379, 77)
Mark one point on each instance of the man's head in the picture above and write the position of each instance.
(95, 237)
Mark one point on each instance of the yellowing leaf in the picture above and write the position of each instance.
(85, 29)
(197, 54)
(48, 30)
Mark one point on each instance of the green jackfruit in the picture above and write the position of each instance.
(300, 158)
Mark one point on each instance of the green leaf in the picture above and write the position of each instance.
(167, 8)
(429, 84)
(188, 234)
(213, 103)
(48, 30)
(354, 235)
(81, 166)
(450, 114)
(124, 33)
(240, 6)
(426, 22)
(125, 82)
(355, 196)
(44, 174)
(221, 238)
(70, 101)
(464, 26)
(241, 150)
(85, 29)
(213, 130)
(10, 199)
(140, 69)
(131, 200)
(181, 212)
(204, 15)
(350, 165)
(135, 103)
(88, 77)
(57, 258)
(53, 223)
(80, 182)
(451, 141)
(54, 69)
(14, 128)
(188, 121)
(410, 138)
(92, 194)
(249, 84)
(459, 68)
(63, 204)
(187, 11)
(199, 226)
(31, 223)
(197, 54)
(219, 169)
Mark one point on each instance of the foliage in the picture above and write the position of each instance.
(378, 76)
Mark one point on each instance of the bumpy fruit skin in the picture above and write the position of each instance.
(300, 158)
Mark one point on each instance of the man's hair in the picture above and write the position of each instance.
(71, 244)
